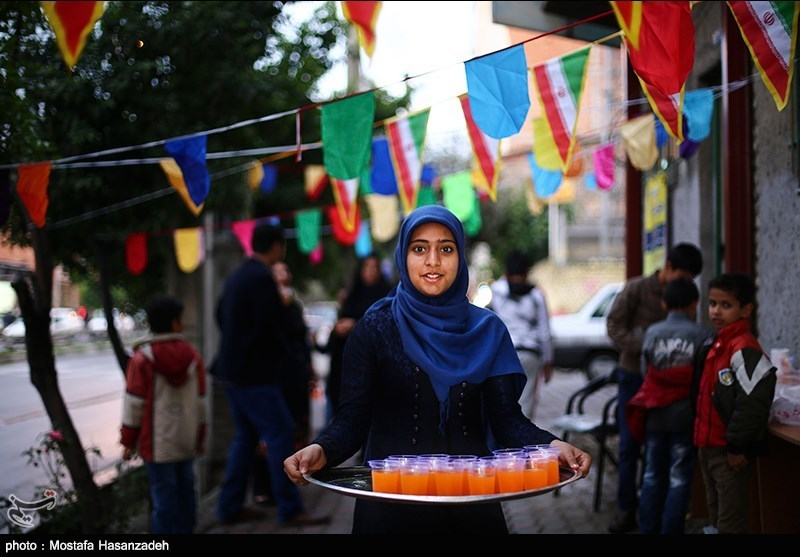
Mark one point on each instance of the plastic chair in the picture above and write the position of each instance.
(602, 427)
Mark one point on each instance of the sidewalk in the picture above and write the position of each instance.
(570, 513)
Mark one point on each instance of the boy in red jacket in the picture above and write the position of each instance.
(164, 415)
(733, 401)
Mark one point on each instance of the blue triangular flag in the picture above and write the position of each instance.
(383, 179)
(190, 155)
(363, 245)
(590, 181)
(545, 182)
(428, 175)
(661, 133)
(497, 85)
(270, 178)
(698, 107)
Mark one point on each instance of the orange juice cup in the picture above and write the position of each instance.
(450, 478)
(510, 473)
(535, 471)
(464, 458)
(481, 476)
(552, 465)
(385, 476)
(434, 460)
(414, 475)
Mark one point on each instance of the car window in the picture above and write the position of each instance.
(605, 305)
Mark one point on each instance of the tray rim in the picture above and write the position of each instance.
(434, 499)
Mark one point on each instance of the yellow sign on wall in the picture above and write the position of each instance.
(655, 222)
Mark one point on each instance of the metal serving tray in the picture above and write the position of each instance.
(356, 481)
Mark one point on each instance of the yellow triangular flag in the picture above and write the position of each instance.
(384, 216)
(189, 249)
(175, 177)
(544, 146)
(639, 136)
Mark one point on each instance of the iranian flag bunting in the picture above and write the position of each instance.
(406, 138)
(486, 150)
(560, 86)
(345, 192)
(770, 31)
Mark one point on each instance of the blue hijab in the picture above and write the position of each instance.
(446, 336)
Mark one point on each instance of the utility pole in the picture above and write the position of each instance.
(353, 61)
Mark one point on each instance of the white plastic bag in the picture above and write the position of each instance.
(786, 404)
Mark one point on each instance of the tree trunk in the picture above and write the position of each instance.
(34, 292)
(122, 355)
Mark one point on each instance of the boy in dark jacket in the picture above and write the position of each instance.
(736, 389)
(164, 415)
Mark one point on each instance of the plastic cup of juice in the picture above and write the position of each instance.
(464, 458)
(414, 475)
(510, 470)
(481, 476)
(552, 454)
(535, 471)
(385, 476)
(449, 477)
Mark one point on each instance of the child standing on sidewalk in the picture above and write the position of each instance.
(736, 389)
(164, 415)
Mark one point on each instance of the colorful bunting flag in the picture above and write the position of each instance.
(545, 182)
(639, 136)
(559, 84)
(243, 230)
(486, 151)
(315, 257)
(363, 245)
(364, 15)
(458, 194)
(698, 108)
(315, 181)
(5, 195)
(72, 22)
(426, 196)
(565, 192)
(32, 182)
(175, 178)
(533, 202)
(406, 136)
(629, 17)
(428, 175)
(263, 177)
(545, 146)
(474, 223)
(770, 31)
(340, 233)
(497, 85)
(575, 167)
(383, 216)
(136, 252)
(308, 225)
(383, 179)
(190, 154)
(190, 250)
(604, 166)
(345, 193)
(664, 59)
(347, 135)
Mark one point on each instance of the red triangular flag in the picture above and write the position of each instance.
(32, 182)
(136, 252)
(243, 230)
(341, 234)
(72, 22)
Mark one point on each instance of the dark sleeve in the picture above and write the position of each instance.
(510, 426)
(348, 431)
(620, 319)
(754, 391)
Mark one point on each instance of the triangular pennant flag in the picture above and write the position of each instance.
(480, 186)
(604, 166)
(340, 233)
(565, 192)
(486, 151)
(545, 182)
(363, 245)
(32, 182)
(190, 154)
(136, 252)
(639, 136)
(347, 135)
(535, 205)
(406, 136)
(426, 196)
(243, 230)
(175, 178)
(384, 218)
(661, 134)
(5, 195)
(688, 147)
(72, 22)
(190, 250)
(308, 224)
(315, 180)
(458, 194)
(383, 179)
(345, 193)
(497, 85)
(664, 59)
(545, 146)
(263, 177)
(575, 167)
(428, 175)
(474, 223)
(698, 107)
(315, 257)
(770, 31)
(364, 15)
(590, 181)
(629, 18)
(559, 84)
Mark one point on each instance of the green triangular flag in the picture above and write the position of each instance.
(474, 222)
(459, 195)
(426, 196)
(308, 227)
(347, 135)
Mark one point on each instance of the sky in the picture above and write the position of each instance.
(414, 38)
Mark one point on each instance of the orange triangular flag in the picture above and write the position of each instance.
(72, 22)
(629, 17)
(345, 192)
(364, 15)
(32, 182)
(175, 177)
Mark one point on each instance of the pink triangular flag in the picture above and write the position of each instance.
(604, 166)
(243, 230)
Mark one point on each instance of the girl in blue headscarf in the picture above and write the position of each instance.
(424, 370)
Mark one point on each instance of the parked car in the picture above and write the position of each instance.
(65, 323)
(98, 325)
(580, 340)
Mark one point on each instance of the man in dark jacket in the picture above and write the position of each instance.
(253, 351)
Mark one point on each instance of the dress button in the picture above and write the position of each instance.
(416, 386)
(416, 408)
(416, 369)
(416, 429)
(416, 395)
(464, 428)
(416, 416)
(462, 394)
(461, 414)
(465, 434)
(460, 404)
(414, 440)
(464, 384)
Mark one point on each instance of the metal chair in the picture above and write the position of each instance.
(601, 426)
